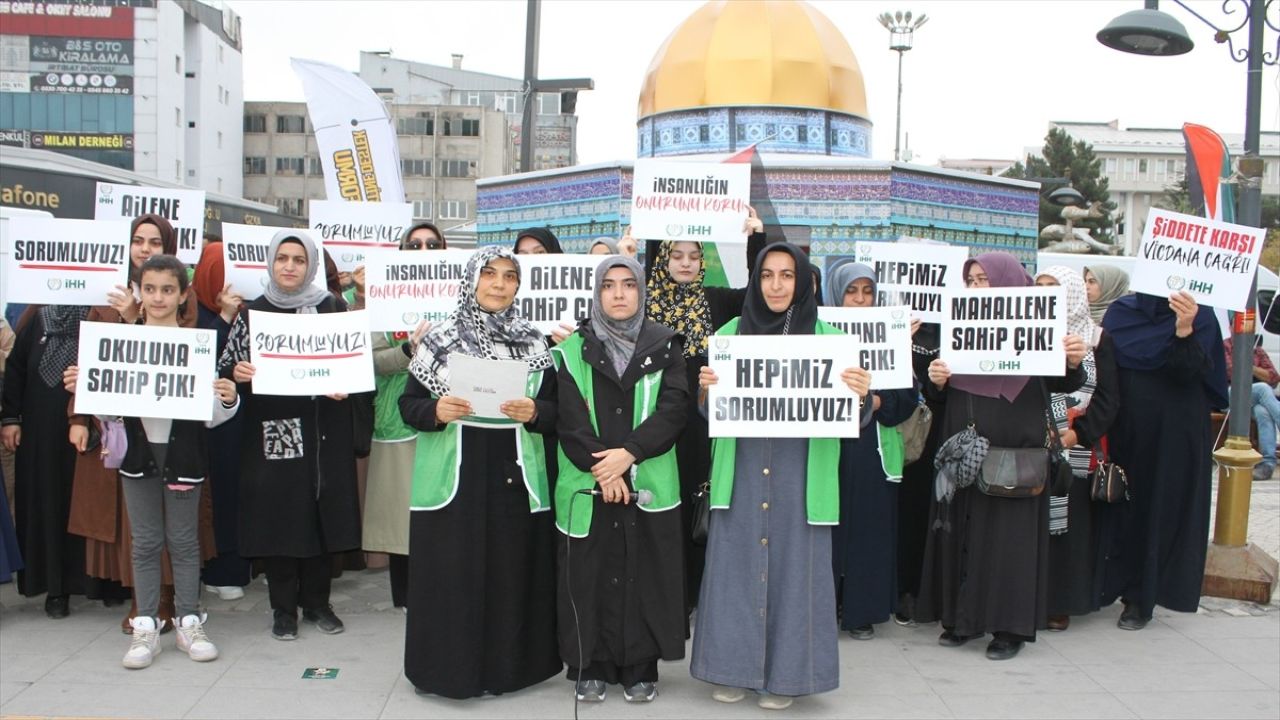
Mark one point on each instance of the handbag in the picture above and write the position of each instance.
(700, 514)
(1022, 472)
(1107, 480)
(915, 432)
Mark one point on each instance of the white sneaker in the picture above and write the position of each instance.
(769, 701)
(726, 694)
(226, 592)
(193, 641)
(145, 643)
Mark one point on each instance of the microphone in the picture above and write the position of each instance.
(638, 497)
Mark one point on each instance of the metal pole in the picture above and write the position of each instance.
(897, 128)
(1232, 521)
(529, 117)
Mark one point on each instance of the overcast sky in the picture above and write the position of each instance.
(983, 80)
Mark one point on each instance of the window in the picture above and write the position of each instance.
(1128, 168)
(1162, 168)
(255, 123)
(291, 206)
(1142, 168)
(548, 103)
(219, 139)
(314, 166)
(177, 171)
(177, 64)
(415, 126)
(453, 210)
(219, 96)
(226, 96)
(1110, 167)
(291, 124)
(290, 165)
(219, 180)
(473, 98)
(470, 128)
(422, 209)
(415, 167)
(457, 168)
(505, 102)
(255, 166)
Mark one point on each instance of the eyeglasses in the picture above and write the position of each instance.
(432, 244)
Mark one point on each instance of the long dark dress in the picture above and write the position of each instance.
(916, 489)
(986, 565)
(482, 596)
(297, 465)
(228, 567)
(1155, 544)
(1073, 554)
(44, 466)
(627, 578)
(866, 540)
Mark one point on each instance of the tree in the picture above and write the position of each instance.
(1074, 161)
(1177, 197)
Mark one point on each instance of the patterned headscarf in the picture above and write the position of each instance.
(1114, 284)
(1078, 320)
(471, 330)
(683, 307)
(62, 340)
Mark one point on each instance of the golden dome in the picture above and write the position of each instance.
(774, 52)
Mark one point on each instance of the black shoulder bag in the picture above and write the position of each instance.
(1024, 472)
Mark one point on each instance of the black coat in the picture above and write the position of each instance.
(628, 574)
(297, 466)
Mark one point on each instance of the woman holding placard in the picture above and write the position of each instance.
(1082, 419)
(298, 501)
(1172, 376)
(162, 475)
(766, 613)
(865, 541)
(482, 595)
(622, 399)
(679, 298)
(386, 506)
(986, 558)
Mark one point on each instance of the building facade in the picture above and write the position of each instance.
(405, 81)
(443, 149)
(154, 87)
(1140, 163)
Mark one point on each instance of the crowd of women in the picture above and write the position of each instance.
(562, 536)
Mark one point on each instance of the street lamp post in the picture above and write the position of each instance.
(1234, 568)
(901, 35)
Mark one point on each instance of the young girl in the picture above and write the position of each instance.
(161, 474)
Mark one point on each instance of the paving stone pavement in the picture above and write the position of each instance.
(1220, 662)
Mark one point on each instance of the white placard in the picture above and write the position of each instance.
(245, 261)
(146, 371)
(350, 230)
(556, 289)
(914, 274)
(703, 202)
(486, 384)
(1212, 260)
(884, 341)
(774, 386)
(1006, 331)
(405, 287)
(52, 261)
(184, 209)
(313, 354)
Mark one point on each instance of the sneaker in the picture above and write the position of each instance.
(863, 632)
(903, 620)
(1262, 471)
(193, 641)
(641, 692)
(590, 690)
(226, 592)
(145, 644)
(769, 701)
(285, 626)
(726, 694)
(326, 622)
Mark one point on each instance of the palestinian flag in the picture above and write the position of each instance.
(1208, 167)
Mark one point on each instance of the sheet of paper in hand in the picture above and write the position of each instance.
(314, 354)
(774, 386)
(145, 371)
(486, 384)
(1006, 331)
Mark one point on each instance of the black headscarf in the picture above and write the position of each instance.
(817, 282)
(544, 236)
(799, 319)
(1143, 328)
(404, 237)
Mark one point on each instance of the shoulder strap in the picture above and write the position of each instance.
(1055, 441)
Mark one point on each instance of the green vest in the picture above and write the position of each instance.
(388, 426)
(438, 454)
(659, 475)
(891, 451)
(822, 485)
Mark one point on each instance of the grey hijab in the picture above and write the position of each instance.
(842, 277)
(607, 242)
(618, 336)
(306, 298)
(1114, 284)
